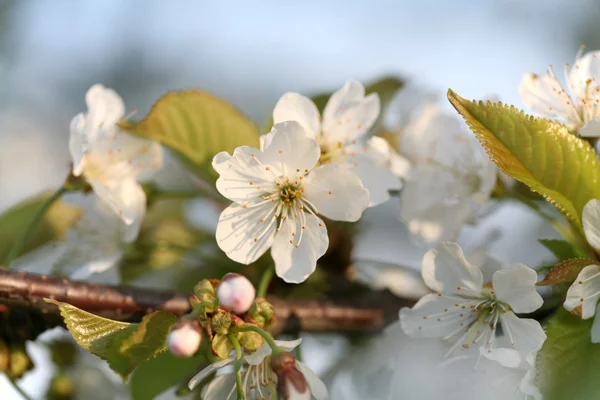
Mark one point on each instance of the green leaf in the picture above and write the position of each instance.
(163, 372)
(568, 363)
(566, 271)
(538, 152)
(562, 249)
(123, 345)
(55, 223)
(196, 125)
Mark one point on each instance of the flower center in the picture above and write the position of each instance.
(291, 192)
(260, 381)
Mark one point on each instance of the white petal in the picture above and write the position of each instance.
(265, 350)
(105, 108)
(288, 148)
(200, 376)
(259, 355)
(446, 270)
(219, 388)
(516, 286)
(126, 198)
(433, 135)
(435, 316)
(525, 335)
(243, 176)
(591, 129)
(126, 154)
(544, 95)
(372, 164)
(583, 74)
(434, 203)
(295, 264)
(399, 165)
(349, 114)
(591, 222)
(487, 265)
(288, 345)
(336, 192)
(77, 143)
(316, 385)
(242, 236)
(595, 333)
(509, 358)
(584, 293)
(295, 107)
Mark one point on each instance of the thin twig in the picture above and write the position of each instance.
(359, 315)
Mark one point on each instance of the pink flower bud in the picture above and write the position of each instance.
(236, 293)
(184, 338)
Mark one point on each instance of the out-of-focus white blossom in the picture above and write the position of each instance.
(577, 104)
(447, 175)
(278, 195)
(112, 161)
(468, 307)
(236, 293)
(393, 365)
(342, 135)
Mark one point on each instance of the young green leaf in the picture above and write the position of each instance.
(56, 221)
(562, 249)
(538, 152)
(196, 125)
(566, 271)
(123, 345)
(163, 372)
(568, 363)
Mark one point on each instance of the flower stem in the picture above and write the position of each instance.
(266, 335)
(265, 281)
(21, 240)
(238, 367)
(18, 388)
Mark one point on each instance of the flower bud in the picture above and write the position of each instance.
(291, 383)
(185, 337)
(236, 293)
(261, 313)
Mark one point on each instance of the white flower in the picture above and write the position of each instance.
(112, 161)
(96, 242)
(259, 380)
(470, 308)
(342, 135)
(577, 105)
(583, 295)
(467, 377)
(278, 195)
(236, 293)
(447, 176)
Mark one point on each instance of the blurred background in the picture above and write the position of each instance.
(252, 52)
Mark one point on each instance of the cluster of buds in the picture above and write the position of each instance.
(219, 305)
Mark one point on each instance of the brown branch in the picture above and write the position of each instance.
(367, 314)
